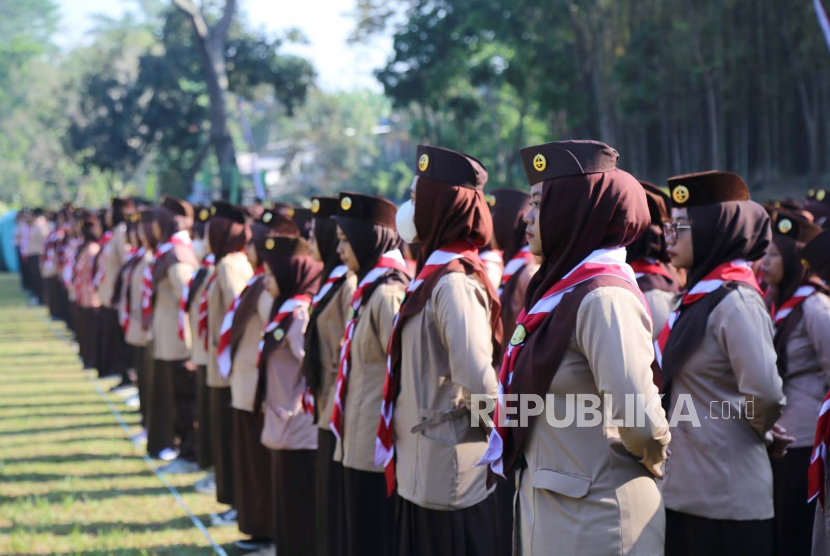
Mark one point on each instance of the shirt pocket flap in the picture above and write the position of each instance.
(572, 486)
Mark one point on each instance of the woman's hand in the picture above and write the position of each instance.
(780, 442)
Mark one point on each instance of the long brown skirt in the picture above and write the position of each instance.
(184, 392)
(794, 516)
(204, 451)
(139, 353)
(75, 320)
(252, 475)
(89, 337)
(294, 475)
(113, 354)
(221, 428)
(161, 418)
(369, 514)
(467, 532)
(691, 535)
(331, 531)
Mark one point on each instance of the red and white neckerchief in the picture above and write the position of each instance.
(514, 265)
(734, 271)
(68, 254)
(603, 262)
(649, 266)
(179, 238)
(389, 260)
(336, 273)
(802, 293)
(202, 328)
(493, 260)
(223, 352)
(125, 307)
(49, 251)
(818, 459)
(286, 309)
(101, 271)
(385, 441)
(206, 262)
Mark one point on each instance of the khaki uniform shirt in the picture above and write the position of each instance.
(447, 356)
(331, 324)
(287, 426)
(198, 353)
(721, 470)
(166, 345)
(593, 489)
(808, 371)
(38, 232)
(367, 375)
(114, 255)
(136, 334)
(660, 303)
(244, 376)
(232, 275)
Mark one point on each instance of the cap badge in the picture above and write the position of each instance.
(203, 214)
(540, 162)
(820, 194)
(267, 216)
(269, 243)
(315, 206)
(785, 225)
(346, 203)
(279, 334)
(811, 193)
(423, 162)
(491, 200)
(680, 194)
(213, 210)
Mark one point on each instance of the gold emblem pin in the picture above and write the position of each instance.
(203, 214)
(267, 217)
(351, 313)
(213, 210)
(540, 162)
(491, 200)
(518, 335)
(785, 225)
(680, 194)
(269, 243)
(315, 206)
(423, 162)
(820, 194)
(346, 203)
(279, 334)
(811, 193)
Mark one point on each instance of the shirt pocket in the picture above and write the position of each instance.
(566, 484)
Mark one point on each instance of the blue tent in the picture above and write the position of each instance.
(8, 254)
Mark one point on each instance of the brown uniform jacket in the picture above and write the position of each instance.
(168, 297)
(244, 376)
(367, 375)
(592, 489)
(808, 370)
(447, 356)
(136, 334)
(232, 275)
(198, 353)
(86, 266)
(287, 426)
(330, 326)
(114, 257)
(720, 469)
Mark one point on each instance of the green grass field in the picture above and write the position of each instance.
(70, 480)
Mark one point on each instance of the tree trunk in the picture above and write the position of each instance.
(709, 81)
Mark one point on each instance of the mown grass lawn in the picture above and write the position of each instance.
(70, 480)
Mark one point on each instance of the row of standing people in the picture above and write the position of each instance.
(330, 384)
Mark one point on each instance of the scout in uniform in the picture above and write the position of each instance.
(85, 295)
(800, 309)
(440, 355)
(228, 233)
(716, 351)
(323, 338)
(647, 256)
(38, 232)
(368, 246)
(173, 387)
(237, 360)
(584, 330)
(114, 356)
(292, 278)
(198, 350)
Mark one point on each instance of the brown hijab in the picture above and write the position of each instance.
(578, 214)
(652, 244)
(226, 236)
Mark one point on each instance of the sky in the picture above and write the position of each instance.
(326, 23)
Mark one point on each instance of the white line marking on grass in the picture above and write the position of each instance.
(196, 521)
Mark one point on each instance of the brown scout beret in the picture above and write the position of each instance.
(450, 167)
(567, 158)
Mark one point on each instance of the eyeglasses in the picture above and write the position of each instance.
(670, 229)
